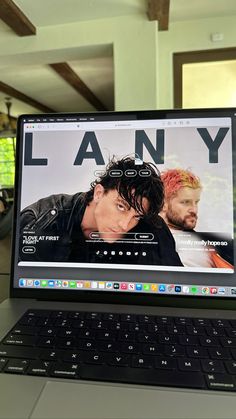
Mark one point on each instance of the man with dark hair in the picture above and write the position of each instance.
(116, 221)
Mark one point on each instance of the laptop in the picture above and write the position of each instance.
(123, 288)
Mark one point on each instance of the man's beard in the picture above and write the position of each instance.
(187, 223)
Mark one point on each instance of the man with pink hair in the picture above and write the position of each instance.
(182, 195)
(182, 192)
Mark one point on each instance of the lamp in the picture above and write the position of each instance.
(7, 122)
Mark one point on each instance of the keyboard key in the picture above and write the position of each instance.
(59, 314)
(197, 352)
(17, 366)
(48, 331)
(142, 361)
(167, 339)
(74, 356)
(220, 382)
(46, 342)
(195, 330)
(138, 327)
(130, 318)
(174, 350)
(25, 330)
(126, 336)
(183, 321)
(188, 340)
(21, 340)
(221, 322)
(66, 333)
(76, 315)
(153, 349)
(3, 362)
(209, 365)
(10, 351)
(187, 364)
(164, 320)
(80, 324)
(96, 358)
(65, 370)
(143, 376)
(146, 337)
(208, 341)
(39, 368)
(176, 330)
(27, 321)
(93, 316)
(231, 367)
(119, 326)
(86, 334)
(37, 313)
(215, 331)
(51, 355)
(156, 328)
(228, 343)
(105, 335)
(110, 316)
(167, 363)
(133, 348)
(107, 346)
(61, 322)
(146, 319)
(99, 325)
(119, 360)
(47, 322)
(231, 332)
(233, 323)
(202, 322)
(219, 353)
(88, 345)
(65, 343)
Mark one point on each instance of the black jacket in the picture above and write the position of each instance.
(52, 226)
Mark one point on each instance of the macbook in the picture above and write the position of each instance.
(123, 284)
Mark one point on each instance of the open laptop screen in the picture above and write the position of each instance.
(135, 202)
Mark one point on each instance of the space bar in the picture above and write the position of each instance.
(142, 376)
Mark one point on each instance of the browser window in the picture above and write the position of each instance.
(108, 197)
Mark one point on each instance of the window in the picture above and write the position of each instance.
(7, 162)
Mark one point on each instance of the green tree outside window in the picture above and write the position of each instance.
(7, 162)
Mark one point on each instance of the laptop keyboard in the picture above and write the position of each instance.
(182, 352)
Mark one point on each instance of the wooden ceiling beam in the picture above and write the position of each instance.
(67, 74)
(159, 10)
(10, 91)
(13, 16)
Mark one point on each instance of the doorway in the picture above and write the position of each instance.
(205, 79)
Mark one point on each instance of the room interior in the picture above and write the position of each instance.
(78, 56)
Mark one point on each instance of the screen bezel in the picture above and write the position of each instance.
(119, 297)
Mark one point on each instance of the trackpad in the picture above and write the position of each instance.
(89, 401)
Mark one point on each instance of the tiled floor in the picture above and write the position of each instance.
(5, 246)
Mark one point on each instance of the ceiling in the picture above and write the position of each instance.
(94, 68)
(42, 12)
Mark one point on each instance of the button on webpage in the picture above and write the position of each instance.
(115, 173)
(144, 172)
(99, 173)
(144, 236)
(28, 249)
(130, 173)
(94, 235)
